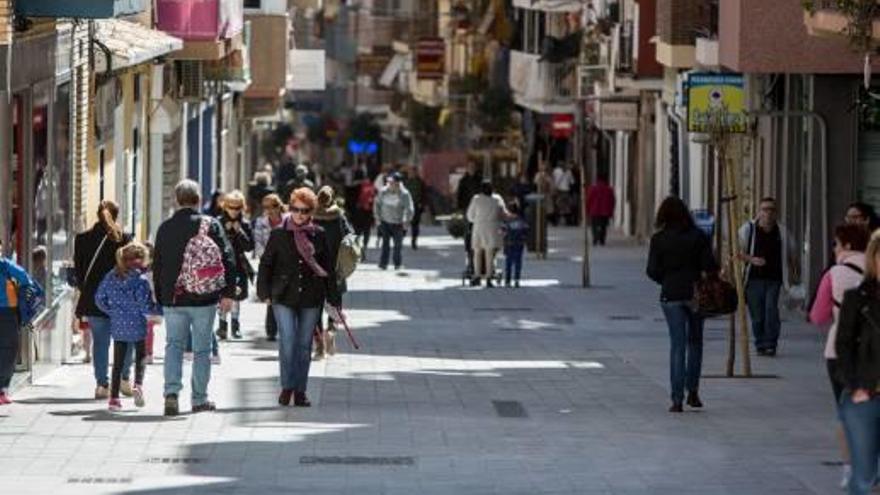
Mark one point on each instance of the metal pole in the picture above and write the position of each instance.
(582, 166)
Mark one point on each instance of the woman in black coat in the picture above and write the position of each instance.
(680, 254)
(94, 255)
(331, 218)
(241, 237)
(296, 277)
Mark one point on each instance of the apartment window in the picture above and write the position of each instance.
(252, 4)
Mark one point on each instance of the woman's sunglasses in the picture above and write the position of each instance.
(235, 207)
(301, 211)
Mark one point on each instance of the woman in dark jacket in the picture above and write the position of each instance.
(296, 277)
(241, 237)
(94, 255)
(680, 254)
(331, 218)
(858, 364)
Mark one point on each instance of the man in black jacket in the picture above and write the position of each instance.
(468, 187)
(185, 312)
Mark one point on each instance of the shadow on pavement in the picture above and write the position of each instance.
(57, 401)
(131, 416)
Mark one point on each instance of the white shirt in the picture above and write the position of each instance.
(563, 179)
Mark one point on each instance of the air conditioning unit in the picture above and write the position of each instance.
(190, 80)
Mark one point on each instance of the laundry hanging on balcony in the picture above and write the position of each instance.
(555, 50)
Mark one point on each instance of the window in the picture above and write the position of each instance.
(252, 4)
(42, 188)
(61, 187)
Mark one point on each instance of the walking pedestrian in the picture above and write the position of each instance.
(125, 296)
(240, 235)
(563, 181)
(194, 270)
(300, 179)
(214, 207)
(850, 242)
(858, 365)
(13, 278)
(771, 264)
(545, 186)
(94, 255)
(486, 212)
(862, 214)
(296, 278)
(600, 208)
(416, 187)
(393, 210)
(468, 187)
(362, 217)
(516, 234)
(330, 217)
(520, 190)
(259, 189)
(679, 255)
(272, 218)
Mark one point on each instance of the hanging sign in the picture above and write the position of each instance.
(431, 58)
(714, 99)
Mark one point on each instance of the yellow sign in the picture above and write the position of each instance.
(716, 97)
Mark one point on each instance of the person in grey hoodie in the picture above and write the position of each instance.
(393, 210)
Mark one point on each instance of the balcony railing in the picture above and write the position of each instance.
(534, 80)
(625, 36)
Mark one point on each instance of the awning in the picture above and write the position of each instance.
(392, 70)
(130, 44)
(550, 5)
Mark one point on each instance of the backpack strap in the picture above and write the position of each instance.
(854, 267)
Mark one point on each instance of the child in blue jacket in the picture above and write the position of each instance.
(126, 297)
(516, 234)
(14, 282)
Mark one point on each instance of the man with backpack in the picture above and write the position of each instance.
(193, 271)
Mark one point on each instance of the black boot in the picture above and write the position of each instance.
(693, 400)
(222, 332)
(236, 329)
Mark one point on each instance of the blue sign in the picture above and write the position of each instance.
(363, 147)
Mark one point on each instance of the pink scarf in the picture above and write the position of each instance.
(304, 246)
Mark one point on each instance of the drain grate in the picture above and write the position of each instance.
(500, 308)
(509, 409)
(174, 460)
(358, 460)
(624, 318)
(89, 480)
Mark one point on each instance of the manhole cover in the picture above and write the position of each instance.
(89, 480)
(509, 409)
(359, 460)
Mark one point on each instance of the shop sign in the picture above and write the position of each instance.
(716, 98)
(307, 69)
(561, 126)
(431, 58)
(618, 116)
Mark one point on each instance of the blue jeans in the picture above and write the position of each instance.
(862, 425)
(513, 258)
(762, 297)
(295, 327)
(180, 323)
(391, 232)
(215, 347)
(686, 350)
(100, 328)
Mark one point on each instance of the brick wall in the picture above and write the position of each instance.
(5, 22)
(678, 21)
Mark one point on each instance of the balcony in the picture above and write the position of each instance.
(825, 19)
(79, 9)
(210, 29)
(678, 22)
(542, 86)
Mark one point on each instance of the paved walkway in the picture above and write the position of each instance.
(549, 389)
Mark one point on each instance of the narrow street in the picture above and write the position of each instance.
(549, 389)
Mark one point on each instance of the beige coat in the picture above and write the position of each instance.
(486, 213)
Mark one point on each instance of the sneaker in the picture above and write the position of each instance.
(125, 388)
(206, 406)
(187, 356)
(215, 359)
(114, 405)
(172, 408)
(845, 475)
(138, 394)
(5, 399)
(102, 392)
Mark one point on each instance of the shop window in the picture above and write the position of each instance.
(61, 190)
(18, 149)
(869, 147)
(39, 267)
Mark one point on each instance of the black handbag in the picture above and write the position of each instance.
(715, 297)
